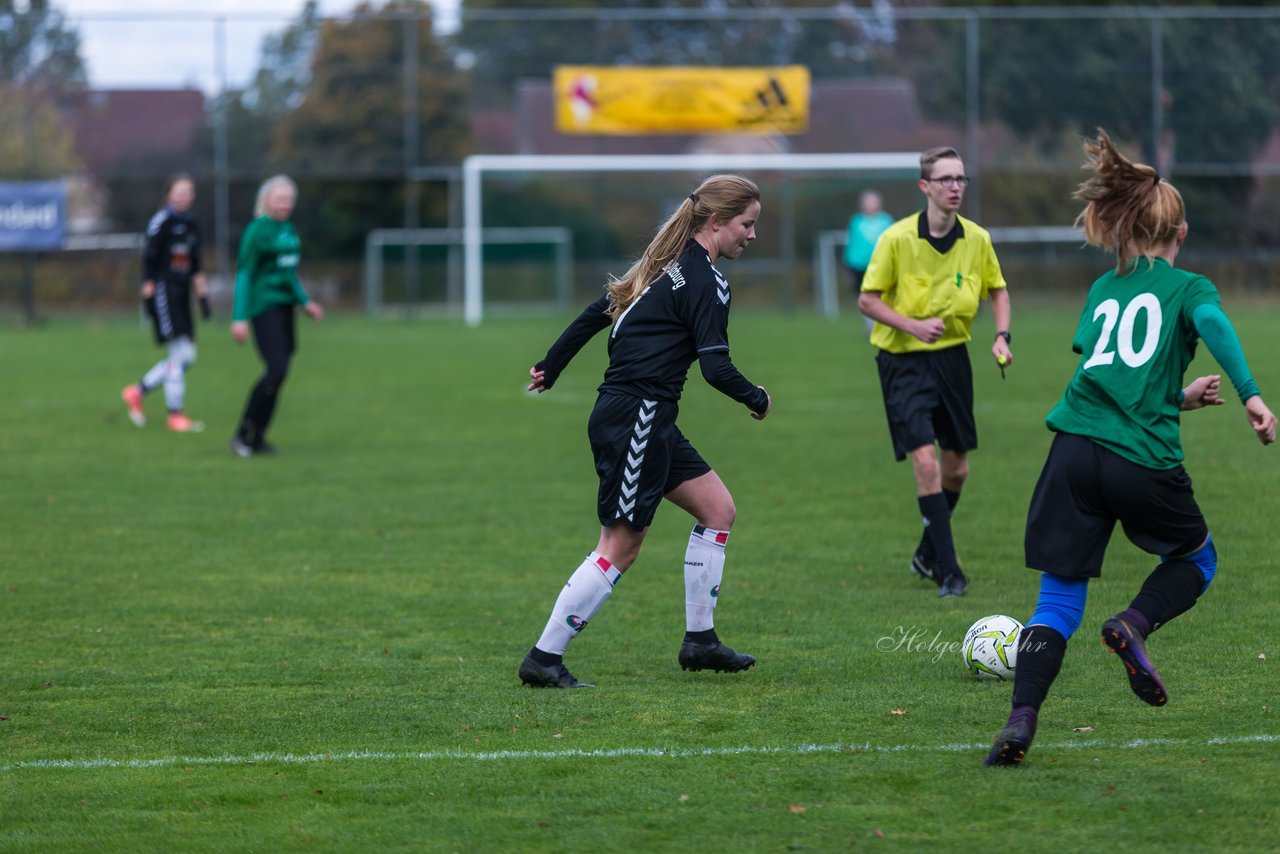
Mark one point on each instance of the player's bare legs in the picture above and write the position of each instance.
(707, 500)
(927, 470)
(954, 470)
(620, 543)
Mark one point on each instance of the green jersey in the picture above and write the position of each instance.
(1136, 339)
(267, 269)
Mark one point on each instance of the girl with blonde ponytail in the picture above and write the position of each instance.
(670, 309)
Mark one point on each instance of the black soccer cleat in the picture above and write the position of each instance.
(955, 584)
(537, 675)
(1124, 641)
(1013, 742)
(713, 656)
(925, 568)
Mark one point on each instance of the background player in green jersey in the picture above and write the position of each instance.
(928, 273)
(1117, 454)
(267, 290)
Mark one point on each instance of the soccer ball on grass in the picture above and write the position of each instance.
(990, 647)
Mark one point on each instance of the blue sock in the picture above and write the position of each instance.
(1061, 603)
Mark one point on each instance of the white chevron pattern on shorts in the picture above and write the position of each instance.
(635, 459)
(162, 310)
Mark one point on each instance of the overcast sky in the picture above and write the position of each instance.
(165, 44)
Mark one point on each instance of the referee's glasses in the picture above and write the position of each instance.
(950, 180)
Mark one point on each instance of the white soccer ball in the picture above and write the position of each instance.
(990, 647)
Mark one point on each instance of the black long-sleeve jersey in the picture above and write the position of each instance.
(172, 252)
(682, 316)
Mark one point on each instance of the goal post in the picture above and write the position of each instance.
(477, 166)
(558, 237)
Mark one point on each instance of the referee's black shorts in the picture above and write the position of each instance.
(928, 397)
(640, 455)
(1084, 489)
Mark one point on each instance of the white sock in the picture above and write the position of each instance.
(582, 597)
(175, 385)
(155, 377)
(703, 570)
(171, 373)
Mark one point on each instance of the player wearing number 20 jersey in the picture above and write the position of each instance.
(1137, 335)
(1117, 455)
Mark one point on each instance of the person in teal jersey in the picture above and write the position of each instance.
(864, 228)
(1116, 455)
(267, 292)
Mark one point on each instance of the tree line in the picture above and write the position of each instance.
(329, 99)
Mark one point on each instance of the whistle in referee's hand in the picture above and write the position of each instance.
(1000, 360)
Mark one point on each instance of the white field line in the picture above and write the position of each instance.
(604, 753)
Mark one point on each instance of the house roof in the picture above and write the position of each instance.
(116, 126)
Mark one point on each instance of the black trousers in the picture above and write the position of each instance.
(275, 337)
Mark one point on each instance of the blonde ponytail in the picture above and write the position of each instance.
(725, 196)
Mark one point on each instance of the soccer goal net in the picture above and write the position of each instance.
(612, 205)
(421, 268)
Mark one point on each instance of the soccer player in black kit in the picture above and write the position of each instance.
(170, 269)
(669, 310)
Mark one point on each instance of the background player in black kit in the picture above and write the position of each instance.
(670, 309)
(170, 268)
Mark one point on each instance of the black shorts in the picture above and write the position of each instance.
(171, 310)
(928, 397)
(640, 454)
(1084, 489)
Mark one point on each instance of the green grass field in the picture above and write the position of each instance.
(317, 652)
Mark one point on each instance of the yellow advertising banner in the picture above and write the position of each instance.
(606, 100)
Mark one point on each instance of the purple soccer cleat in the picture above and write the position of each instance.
(1013, 742)
(1125, 641)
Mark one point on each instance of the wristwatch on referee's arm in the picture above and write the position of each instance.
(1008, 339)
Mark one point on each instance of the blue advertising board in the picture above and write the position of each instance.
(33, 215)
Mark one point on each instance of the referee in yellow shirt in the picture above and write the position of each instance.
(927, 275)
